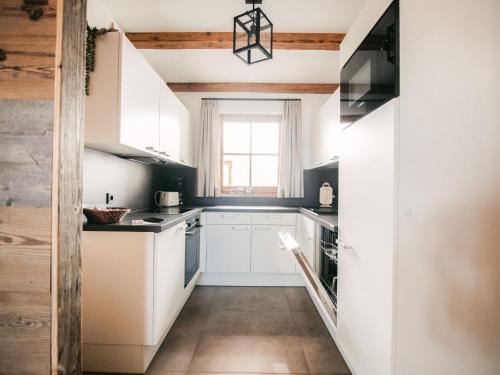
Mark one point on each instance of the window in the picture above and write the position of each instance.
(250, 153)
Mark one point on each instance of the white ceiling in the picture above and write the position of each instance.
(217, 15)
(222, 66)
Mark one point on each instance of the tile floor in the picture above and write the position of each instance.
(266, 330)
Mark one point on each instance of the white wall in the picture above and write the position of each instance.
(99, 16)
(310, 105)
(449, 189)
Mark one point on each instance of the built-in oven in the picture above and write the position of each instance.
(370, 77)
(192, 260)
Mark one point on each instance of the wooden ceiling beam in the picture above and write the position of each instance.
(292, 88)
(224, 40)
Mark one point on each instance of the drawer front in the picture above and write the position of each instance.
(270, 218)
(229, 218)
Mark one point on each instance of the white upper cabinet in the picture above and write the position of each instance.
(130, 110)
(170, 124)
(187, 156)
(327, 132)
(139, 99)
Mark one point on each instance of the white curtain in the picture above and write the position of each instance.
(209, 143)
(290, 180)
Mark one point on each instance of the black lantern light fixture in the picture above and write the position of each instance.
(253, 35)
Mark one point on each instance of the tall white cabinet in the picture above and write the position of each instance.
(366, 227)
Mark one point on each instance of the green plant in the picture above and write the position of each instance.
(92, 34)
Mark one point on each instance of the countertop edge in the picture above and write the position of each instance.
(320, 219)
(154, 228)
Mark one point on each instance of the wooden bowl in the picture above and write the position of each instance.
(105, 215)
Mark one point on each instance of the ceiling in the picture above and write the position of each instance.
(217, 15)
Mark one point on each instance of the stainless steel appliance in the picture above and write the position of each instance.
(192, 261)
(371, 76)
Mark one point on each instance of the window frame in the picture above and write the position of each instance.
(257, 191)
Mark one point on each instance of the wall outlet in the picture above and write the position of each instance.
(109, 198)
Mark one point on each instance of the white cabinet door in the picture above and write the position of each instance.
(306, 237)
(139, 104)
(267, 256)
(169, 260)
(327, 131)
(366, 223)
(186, 138)
(228, 248)
(170, 123)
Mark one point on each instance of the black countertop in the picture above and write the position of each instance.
(169, 220)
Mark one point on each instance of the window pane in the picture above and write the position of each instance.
(236, 170)
(264, 171)
(236, 137)
(265, 137)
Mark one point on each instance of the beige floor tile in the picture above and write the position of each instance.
(175, 354)
(250, 299)
(298, 299)
(322, 356)
(249, 323)
(190, 322)
(257, 354)
(309, 324)
(201, 298)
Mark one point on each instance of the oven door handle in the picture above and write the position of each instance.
(193, 231)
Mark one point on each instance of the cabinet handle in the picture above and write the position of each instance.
(239, 228)
(262, 228)
(344, 245)
(273, 216)
(225, 215)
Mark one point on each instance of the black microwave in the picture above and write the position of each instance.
(370, 77)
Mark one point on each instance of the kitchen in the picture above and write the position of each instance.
(205, 197)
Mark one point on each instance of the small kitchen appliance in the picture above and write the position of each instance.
(326, 195)
(167, 198)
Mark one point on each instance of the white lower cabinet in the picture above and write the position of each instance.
(306, 237)
(242, 248)
(169, 260)
(228, 248)
(132, 292)
(267, 256)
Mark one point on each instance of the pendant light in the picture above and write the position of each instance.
(253, 35)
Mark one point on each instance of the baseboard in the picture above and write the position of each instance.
(250, 279)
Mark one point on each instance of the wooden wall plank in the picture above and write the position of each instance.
(29, 46)
(25, 311)
(297, 88)
(67, 189)
(224, 40)
(26, 152)
(27, 69)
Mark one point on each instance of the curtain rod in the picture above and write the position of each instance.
(254, 99)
